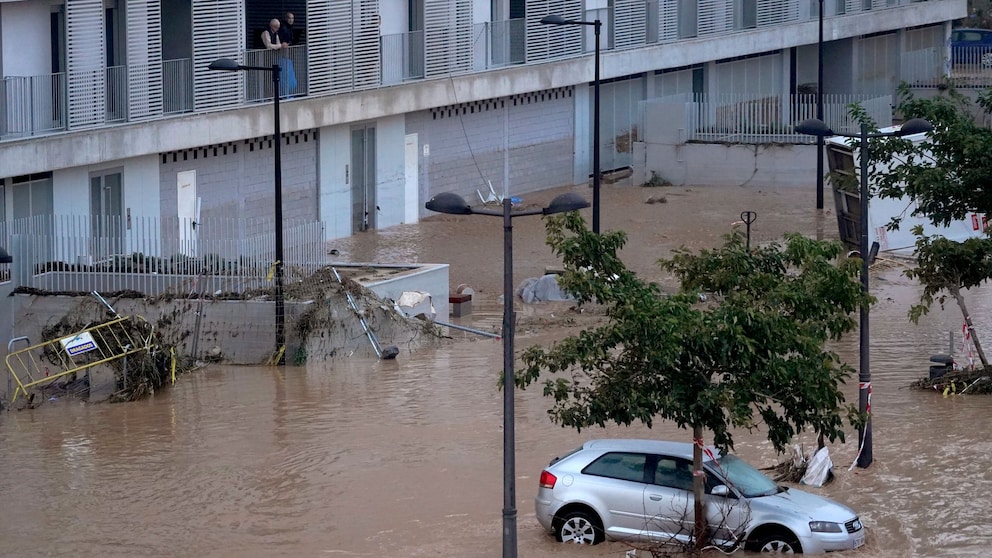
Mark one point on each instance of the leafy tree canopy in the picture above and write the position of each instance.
(948, 265)
(947, 175)
(742, 342)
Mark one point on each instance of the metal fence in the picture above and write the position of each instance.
(402, 57)
(754, 119)
(177, 86)
(81, 253)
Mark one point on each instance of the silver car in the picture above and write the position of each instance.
(642, 490)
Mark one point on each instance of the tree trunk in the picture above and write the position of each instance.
(698, 480)
(971, 328)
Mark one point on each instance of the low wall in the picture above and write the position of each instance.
(714, 164)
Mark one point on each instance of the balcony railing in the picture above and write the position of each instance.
(499, 43)
(31, 105)
(177, 86)
(116, 94)
(402, 57)
(292, 78)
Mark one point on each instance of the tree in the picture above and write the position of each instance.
(947, 177)
(742, 342)
(946, 265)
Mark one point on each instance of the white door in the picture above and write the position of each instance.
(188, 211)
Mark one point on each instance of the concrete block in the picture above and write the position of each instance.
(460, 304)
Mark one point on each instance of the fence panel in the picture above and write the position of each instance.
(82, 253)
(753, 119)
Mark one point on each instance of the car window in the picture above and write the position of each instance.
(750, 481)
(618, 465)
(673, 473)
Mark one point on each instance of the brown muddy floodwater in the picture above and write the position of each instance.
(354, 457)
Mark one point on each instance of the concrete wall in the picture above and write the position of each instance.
(699, 164)
(708, 164)
(235, 180)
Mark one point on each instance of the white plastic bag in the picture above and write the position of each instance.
(818, 469)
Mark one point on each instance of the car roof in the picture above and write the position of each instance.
(674, 449)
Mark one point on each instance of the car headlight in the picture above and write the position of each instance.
(825, 527)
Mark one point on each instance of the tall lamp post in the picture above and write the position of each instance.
(596, 179)
(454, 204)
(228, 65)
(816, 127)
(819, 112)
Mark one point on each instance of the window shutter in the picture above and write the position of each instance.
(553, 41)
(218, 32)
(715, 17)
(85, 62)
(144, 58)
(630, 27)
(776, 12)
(342, 45)
(447, 37)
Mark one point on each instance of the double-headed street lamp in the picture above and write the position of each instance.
(454, 204)
(596, 179)
(229, 65)
(816, 127)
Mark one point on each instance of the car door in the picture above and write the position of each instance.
(670, 505)
(617, 480)
(668, 500)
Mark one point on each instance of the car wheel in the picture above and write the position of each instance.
(779, 543)
(580, 528)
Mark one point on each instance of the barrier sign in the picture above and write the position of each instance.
(78, 344)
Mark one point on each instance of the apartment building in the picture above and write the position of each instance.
(109, 108)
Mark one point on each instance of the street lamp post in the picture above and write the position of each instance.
(229, 65)
(817, 127)
(819, 113)
(454, 204)
(596, 170)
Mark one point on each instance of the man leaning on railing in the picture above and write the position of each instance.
(275, 38)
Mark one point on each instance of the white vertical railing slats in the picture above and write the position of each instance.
(144, 58)
(86, 54)
(218, 32)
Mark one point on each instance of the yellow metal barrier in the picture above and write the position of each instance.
(99, 344)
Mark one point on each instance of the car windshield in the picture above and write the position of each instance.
(750, 481)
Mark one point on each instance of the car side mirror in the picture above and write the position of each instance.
(720, 490)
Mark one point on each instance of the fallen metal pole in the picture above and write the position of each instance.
(468, 329)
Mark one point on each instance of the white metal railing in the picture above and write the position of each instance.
(116, 97)
(177, 86)
(402, 57)
(292, 62)
(32, 105)
(752, 119)
(80, 253)
(498, 43)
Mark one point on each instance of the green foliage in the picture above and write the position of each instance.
(947, 265)
(947, 175)
(741, 343)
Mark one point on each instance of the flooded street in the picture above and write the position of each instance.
(356, 457)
